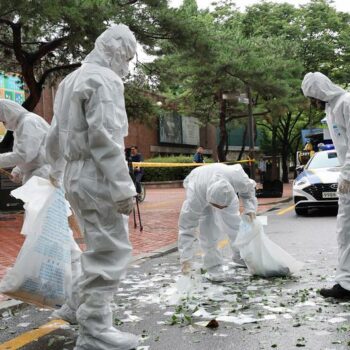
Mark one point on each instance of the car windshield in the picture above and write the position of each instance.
(323, 160)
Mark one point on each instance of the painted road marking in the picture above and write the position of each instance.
(34, 335)
(286, 210)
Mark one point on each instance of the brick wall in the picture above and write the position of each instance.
(45, 106)
(142, 135)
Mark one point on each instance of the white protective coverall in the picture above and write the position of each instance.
(217, 184)
(86, 140)
(29, 131)
(28, 156)
(337, 100)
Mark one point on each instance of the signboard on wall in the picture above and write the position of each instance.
(190, 131)
(11, 87)
(170, 130)
(177, 129)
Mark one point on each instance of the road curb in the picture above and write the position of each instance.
(276, 203)
(171, 248)
(285, 200)
(11, 304)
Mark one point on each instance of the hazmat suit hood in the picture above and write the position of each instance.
(10, 113)
(318, 86)
(114, 48)
(220, 192)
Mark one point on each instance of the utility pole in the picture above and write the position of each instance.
(251, 125)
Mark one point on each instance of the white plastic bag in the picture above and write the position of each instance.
(42, 272)
(262, 256)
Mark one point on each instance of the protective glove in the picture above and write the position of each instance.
(343, 186)
(250, 216)
(186, 267)
(125, 206)
(16, 176)
(54, 181)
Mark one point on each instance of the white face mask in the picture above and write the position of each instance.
(122, 69)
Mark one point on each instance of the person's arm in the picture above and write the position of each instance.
(16, 175)
(345, 169)
(196, 158)
(10, 160)
(26, 147)
(105, 115)
(246, 190)
(53, 155)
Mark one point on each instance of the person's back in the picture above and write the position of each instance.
(198, 156)
(200, 178)
(77, 87)
(29, 131)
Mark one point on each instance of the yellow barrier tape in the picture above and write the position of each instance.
(175, 165)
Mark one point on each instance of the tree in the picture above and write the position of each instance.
(219, 61)
(320, 37)
(42, 40)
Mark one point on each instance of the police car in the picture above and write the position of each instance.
(316, 186)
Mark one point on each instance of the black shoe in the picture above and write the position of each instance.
(337, 291)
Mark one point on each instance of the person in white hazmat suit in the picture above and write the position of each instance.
(327, 96)
(28, 159)
(86, 141)
(29, 131)
(213, 205)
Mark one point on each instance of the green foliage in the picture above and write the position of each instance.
(42, 38)
(220, 58)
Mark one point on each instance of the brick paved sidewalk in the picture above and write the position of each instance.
(159, 213)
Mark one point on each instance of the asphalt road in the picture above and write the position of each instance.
(280, 313)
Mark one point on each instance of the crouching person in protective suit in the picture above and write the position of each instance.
(213, 205)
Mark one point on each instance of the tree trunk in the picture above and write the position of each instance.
(285, 168)
(223, 131)
(244, 140)
(274, 170)
(251, 128)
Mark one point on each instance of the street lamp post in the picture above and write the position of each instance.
(251, 125)
(251, 131)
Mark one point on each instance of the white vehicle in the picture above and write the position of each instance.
(316, 186)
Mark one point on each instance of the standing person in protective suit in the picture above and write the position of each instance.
(212, 204)
(86, 141)
(336, 102)
(29, 131)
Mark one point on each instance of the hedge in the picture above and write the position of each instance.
(169, 174)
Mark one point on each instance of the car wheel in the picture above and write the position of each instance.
(301, 211)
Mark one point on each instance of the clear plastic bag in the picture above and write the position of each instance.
(262, 256)
(42, 273)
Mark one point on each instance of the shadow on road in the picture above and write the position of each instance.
(321, 212)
